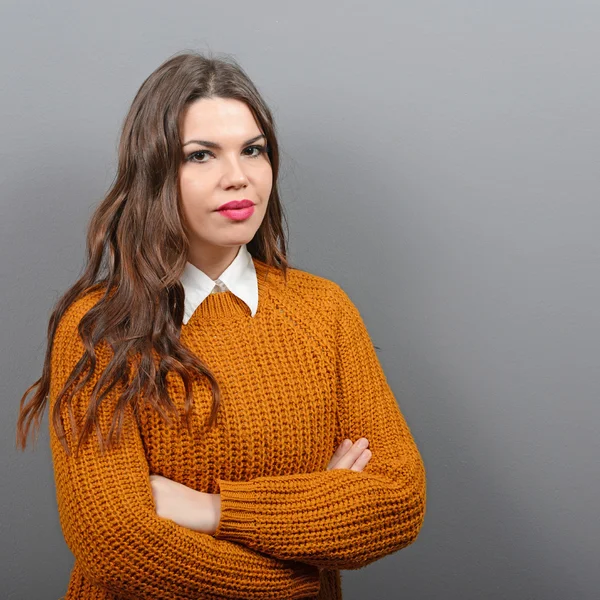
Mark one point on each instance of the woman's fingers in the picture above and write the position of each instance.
(361, 462)
(347, 454)
(341, 450)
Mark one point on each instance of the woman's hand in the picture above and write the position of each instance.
(186, 507)
(351, 456)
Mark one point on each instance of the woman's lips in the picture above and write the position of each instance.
(237, 214)
(235, 204)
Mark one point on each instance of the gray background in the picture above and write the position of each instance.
(441, 163)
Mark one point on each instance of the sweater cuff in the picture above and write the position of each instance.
(237, 521)
(238, 524)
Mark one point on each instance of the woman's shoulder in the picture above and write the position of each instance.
(75, 311)
(324, 298)
(327, 296)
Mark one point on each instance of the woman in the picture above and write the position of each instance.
(198, 385)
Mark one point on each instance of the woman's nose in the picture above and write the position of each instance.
(234, 173)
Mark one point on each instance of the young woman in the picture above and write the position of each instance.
(210, 405)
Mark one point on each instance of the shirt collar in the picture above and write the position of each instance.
(239, 278)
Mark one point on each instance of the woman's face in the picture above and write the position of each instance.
(236, 169)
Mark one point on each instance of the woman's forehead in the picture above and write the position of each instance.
(223, 116)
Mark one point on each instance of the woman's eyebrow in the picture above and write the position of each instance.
(217, 146)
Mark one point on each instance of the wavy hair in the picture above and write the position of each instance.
(137, 249)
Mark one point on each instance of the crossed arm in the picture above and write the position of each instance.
(201, 511)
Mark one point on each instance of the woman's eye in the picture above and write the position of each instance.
(260, 150)
(197, 156)
(198, 152)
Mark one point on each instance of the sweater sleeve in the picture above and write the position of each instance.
(109, 521)
(339, 519)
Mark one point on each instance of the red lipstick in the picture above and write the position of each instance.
(235, 204)
(237, 210)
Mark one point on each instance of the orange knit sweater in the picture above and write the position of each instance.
(296, 379)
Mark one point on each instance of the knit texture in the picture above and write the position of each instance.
(296, 379)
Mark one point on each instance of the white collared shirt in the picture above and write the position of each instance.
(239, 278)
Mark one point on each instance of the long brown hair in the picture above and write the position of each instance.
(137, 249)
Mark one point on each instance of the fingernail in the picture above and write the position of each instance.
(363, 443)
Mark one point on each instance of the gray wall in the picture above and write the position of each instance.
(441, 162)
